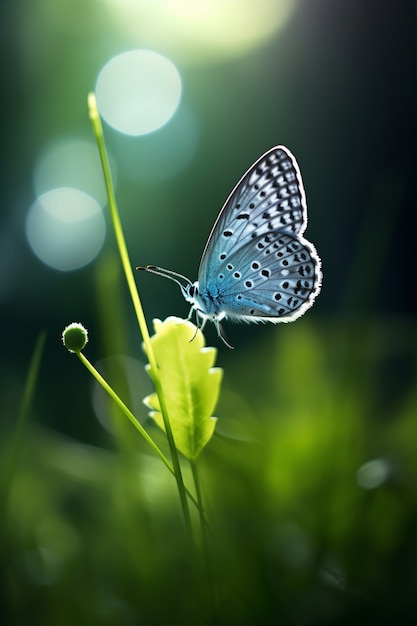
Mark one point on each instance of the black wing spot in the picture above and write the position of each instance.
(277, 296)
(266, 273)
(242, 216)
(237, 275)
(222, 256)
(285, 284)
(248, 284)
(227, 233)
(255, 265)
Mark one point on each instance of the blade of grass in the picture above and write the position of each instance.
(127, 267)
(23, 413)
(207, 565)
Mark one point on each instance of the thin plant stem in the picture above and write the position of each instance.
(127, 267)
(207, 566)
(22, 416)
(99, 378)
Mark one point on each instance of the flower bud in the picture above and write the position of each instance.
(75, 337)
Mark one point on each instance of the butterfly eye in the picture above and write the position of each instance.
(192, 290)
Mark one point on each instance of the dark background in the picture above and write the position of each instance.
(337, 86)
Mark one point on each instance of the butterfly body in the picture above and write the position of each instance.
(256, 265)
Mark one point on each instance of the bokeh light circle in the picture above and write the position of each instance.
(71, 162)
(65, 228)
(373, 473)
(137, 92)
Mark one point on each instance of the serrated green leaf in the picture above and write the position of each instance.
(190, 383)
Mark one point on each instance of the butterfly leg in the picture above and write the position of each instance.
(190, 314)
(198, 326)
(221, 335)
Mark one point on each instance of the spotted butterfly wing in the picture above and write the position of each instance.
(256, 265)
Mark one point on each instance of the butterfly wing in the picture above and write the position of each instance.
(256, 262)
(274, 277)
(269, 197)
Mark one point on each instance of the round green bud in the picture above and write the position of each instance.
(75, 337)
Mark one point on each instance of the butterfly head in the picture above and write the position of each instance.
(203, 307)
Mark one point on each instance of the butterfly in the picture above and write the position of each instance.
(256, 265)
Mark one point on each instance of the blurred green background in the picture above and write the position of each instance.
(310, 481)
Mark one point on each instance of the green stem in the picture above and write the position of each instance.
(125, 409)
(99, 378)
(207, 568)
(199, 497)
(127, 267)
(24, 408)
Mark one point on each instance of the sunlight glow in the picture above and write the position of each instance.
(138, 91)
(203, 31)
(65, 228)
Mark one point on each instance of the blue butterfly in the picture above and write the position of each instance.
(256, 266)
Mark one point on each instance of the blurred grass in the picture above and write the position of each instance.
(92, 536)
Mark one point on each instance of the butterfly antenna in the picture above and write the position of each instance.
(160, 271)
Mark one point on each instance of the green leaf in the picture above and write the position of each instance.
(190, 384)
